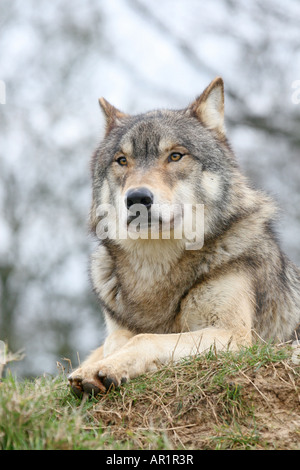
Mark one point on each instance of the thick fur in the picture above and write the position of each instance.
(162, 302)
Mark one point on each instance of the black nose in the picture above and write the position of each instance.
(139, 196)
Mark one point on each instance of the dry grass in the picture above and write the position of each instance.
(247, 400)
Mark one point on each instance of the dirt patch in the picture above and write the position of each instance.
(206, 404)
(276, 400)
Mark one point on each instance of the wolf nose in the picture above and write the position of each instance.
(139, 196)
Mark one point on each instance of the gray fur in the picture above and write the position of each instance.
(240, 281)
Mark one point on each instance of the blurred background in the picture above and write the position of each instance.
(56, 59)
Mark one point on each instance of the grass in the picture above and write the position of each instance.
(245, 400)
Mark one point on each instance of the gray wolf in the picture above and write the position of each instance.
(161, 301)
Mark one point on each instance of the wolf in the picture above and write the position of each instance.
(161, 301)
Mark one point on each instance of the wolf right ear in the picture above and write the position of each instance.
(209, 107)
(112, 114)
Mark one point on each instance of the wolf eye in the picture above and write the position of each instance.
(175, 157)
(122, 160)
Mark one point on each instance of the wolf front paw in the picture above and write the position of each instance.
(84, 380)
(111, 378)
(92, 380)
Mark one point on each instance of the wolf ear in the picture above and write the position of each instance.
(112, 114)
(209, 107)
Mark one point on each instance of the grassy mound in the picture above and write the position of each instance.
(244, 400)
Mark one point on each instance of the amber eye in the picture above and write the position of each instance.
(122, 160)
(175, 157)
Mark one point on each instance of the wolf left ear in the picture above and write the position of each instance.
(112, 114)
(209, 107)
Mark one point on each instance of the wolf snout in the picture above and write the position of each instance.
(141, 196)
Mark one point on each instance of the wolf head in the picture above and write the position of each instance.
(164, 161)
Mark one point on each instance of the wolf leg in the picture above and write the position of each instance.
(116, 341)
(146, 352)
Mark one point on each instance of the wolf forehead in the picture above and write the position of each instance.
(146, 136)
(149, 134)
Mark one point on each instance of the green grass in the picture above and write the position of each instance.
(43, 414)
(214, 401)
(40, 414)
(234, 437)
